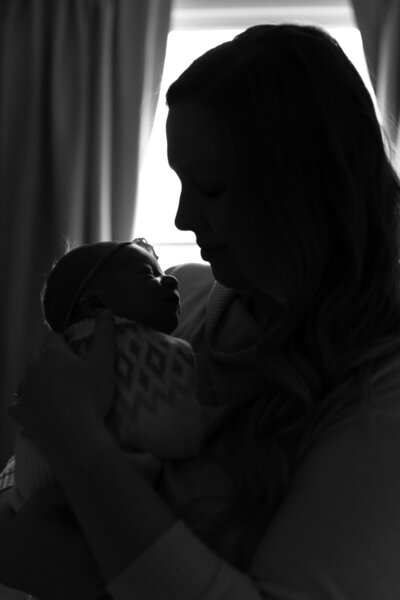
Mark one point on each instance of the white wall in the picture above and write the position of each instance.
(239, 13)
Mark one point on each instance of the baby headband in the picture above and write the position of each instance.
(81, 287)
(142, 242)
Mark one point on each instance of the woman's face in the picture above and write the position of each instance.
(200, 152)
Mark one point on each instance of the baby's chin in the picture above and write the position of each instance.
(168, 327)
(164, 325)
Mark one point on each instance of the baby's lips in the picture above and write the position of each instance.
(174, 297)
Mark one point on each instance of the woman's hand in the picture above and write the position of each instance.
(43, 552)
(62, 394)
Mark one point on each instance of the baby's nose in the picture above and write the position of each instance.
(170, 282)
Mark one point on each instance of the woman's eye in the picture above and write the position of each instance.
(212, 192)
(147, 273)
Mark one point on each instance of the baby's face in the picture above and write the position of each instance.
(138, 289)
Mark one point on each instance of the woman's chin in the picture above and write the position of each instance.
(226, 270)
(228, 278)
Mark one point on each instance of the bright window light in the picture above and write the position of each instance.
(159, 188)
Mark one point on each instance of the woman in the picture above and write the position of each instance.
(288, 188)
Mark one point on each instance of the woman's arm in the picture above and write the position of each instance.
(336, 533)
(64, 402)
(118, 511)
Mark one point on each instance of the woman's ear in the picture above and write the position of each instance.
(92, 302)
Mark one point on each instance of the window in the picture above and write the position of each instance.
(159, 188)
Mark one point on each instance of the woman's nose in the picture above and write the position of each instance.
(188, 217)
(170, 282)
(181, 221)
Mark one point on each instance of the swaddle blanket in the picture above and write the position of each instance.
(155, 407)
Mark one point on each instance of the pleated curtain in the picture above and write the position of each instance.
(79, 82)
(379, 24)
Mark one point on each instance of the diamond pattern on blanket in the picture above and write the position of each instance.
(134, 348)
(155, 374)
(155, 360)
(144, 380)
(155, 405)
(177, 367)
(124, 369)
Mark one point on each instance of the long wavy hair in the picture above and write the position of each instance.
(319, 209)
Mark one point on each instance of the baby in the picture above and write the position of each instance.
(155, 414)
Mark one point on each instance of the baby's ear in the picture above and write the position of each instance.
(92, 302)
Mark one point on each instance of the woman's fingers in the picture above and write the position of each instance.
(15, 411)
(54, 342)
(62, 389)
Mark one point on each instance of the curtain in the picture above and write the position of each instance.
(79, 83)
(379, 24)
